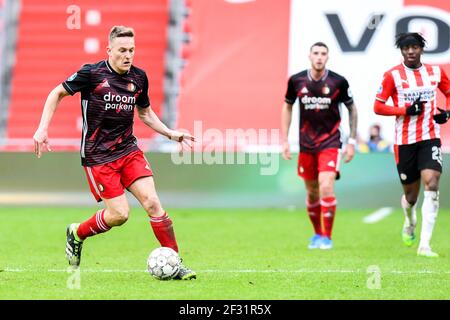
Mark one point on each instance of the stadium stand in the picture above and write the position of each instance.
(53, 43)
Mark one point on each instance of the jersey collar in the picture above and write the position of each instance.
(113, 71)
(324, 77)
(412, 69)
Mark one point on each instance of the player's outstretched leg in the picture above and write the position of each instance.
(163, 229)
(409, 226)
(77, 233)
(73, 245)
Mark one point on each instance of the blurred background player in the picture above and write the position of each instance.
(376, 143)
(320, 92)
(110, 91)
(412, 86)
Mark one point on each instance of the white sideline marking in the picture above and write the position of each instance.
(378, 215)
(234, 271)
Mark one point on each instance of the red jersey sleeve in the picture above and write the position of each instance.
(387, 88)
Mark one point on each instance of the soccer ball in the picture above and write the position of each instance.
(163, 263)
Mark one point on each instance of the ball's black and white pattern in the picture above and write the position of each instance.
(163, 263)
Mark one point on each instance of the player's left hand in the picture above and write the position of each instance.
(442, 117)
(184, 138)
(41, 143)
(349, 153)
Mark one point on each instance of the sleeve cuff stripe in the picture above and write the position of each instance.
(67, 87)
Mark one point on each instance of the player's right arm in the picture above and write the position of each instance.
(387, 90)
(286, 117)
(51, 104)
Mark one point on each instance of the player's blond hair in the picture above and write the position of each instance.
(120, 31)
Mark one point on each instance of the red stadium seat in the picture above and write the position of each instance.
(48, 52)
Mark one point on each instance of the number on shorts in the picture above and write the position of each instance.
(437, 154)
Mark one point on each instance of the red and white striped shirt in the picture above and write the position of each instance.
(405, 85)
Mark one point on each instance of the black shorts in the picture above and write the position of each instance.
(413, 158)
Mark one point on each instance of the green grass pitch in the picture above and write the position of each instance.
(238, 254)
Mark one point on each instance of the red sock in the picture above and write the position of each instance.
(94, 225)
(163, 229)
(313, 210)
(328, 206)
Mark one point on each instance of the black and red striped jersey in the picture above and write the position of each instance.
(319, 102)
(108, 100)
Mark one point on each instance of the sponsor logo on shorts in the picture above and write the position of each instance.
(331, 164)
(101, 187)
(403, 176)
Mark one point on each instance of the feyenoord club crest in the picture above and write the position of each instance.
(131, 87)
(325, 90)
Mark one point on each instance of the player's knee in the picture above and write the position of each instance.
(152, 205)
(326, 190)
(432, 184)
(313, 196)
(119, 215)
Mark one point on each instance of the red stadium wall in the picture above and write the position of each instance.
(48, 52)
(236, 73)
(237, 66)
(239, 56)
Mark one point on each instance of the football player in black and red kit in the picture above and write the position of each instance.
(320, 92)
(110, 92)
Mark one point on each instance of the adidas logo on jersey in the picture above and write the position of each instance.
(105, 84)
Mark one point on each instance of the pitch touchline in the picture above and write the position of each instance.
(232, 271)
(378, 215)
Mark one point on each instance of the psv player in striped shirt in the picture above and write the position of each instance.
(413, 85)
(110, 92)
